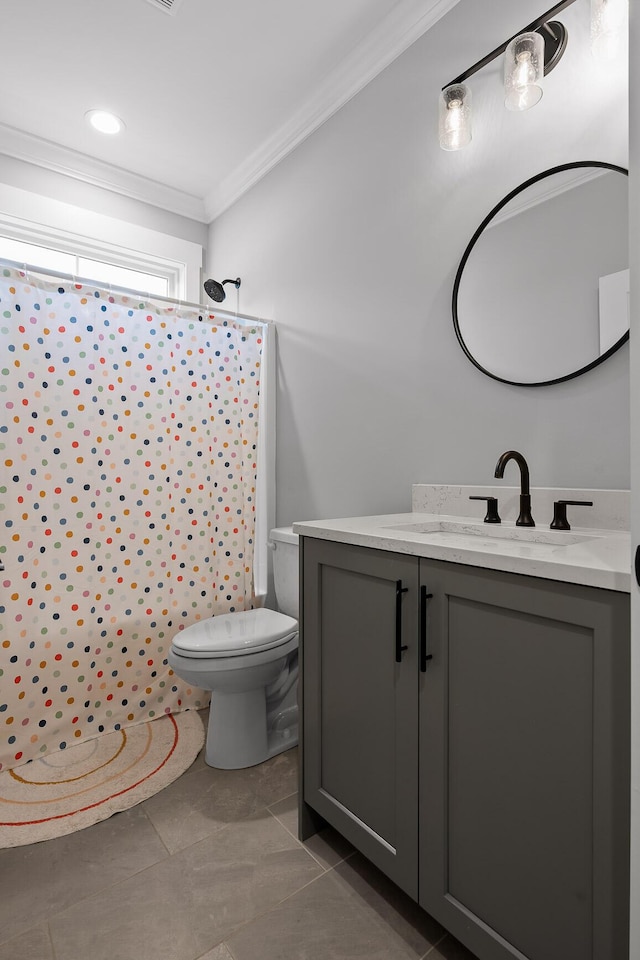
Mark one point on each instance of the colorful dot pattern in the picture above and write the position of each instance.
(128, 444)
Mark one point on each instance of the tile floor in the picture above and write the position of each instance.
(209, 869)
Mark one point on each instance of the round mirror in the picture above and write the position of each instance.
(541, 293)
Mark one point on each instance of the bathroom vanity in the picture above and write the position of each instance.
(465, 701)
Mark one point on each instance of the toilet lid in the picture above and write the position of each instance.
(235, 634)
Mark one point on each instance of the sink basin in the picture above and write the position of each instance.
(493, 531)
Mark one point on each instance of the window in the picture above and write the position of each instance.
(101, 271)
(60, 237)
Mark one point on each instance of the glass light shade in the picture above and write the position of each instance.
(523, 71)
(454, 119)
(607, 23)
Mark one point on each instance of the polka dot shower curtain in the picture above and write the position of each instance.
(128, 442)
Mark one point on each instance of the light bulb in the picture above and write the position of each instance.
(523, 71)
(455, 117)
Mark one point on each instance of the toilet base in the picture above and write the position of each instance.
(251, 736)
(253, 714)
(283, 731)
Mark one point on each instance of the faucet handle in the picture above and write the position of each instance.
(492, 509)
(560, 521)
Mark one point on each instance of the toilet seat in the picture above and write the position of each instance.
(235, 634)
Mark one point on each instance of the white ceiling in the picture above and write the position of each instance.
(212, 96)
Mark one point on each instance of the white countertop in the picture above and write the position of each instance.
(599, 558)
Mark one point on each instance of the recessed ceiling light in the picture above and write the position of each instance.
(104, 122)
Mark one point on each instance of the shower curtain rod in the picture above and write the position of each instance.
(39, 271)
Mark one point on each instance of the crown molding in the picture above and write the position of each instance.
(409, 20)
(71, 163)
(405, 24)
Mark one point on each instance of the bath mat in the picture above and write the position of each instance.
(71, 789)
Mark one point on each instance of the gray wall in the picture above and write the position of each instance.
(351, 245)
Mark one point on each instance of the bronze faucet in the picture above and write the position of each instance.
(525, 519)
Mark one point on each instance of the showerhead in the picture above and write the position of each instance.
(215, 290)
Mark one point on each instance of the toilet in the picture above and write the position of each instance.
(249, 661)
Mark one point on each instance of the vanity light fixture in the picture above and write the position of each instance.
(104, 122)
(530, 55)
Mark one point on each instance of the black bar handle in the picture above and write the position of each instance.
(424, 656)
(399, 647)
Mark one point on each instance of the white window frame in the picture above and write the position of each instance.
(42, 220)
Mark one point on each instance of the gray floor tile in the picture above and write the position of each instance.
(450, 949)
(286, 811)
(112, 891)
(218, 953)
(276, 778)
(350, 912)
(44, 878)
(35, 944)
(328, 847)
(205, 799)
(179, 909)
(199, 803)
(393, 907)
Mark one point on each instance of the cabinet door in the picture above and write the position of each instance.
(524, 765)
(360, 698)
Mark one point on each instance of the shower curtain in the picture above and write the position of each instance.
(128, 443)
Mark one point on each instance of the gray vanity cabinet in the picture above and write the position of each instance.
(524, 760)
(493, 784)
(359, 716)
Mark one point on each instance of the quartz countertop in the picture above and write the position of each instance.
(589, 556)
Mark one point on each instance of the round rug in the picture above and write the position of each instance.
(71, 789)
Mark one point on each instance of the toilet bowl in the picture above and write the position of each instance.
(249, 661)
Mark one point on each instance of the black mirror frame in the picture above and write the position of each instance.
(523, 186)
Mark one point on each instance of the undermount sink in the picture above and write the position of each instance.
(497, 531)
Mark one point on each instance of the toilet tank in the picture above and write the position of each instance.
(285, 569)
